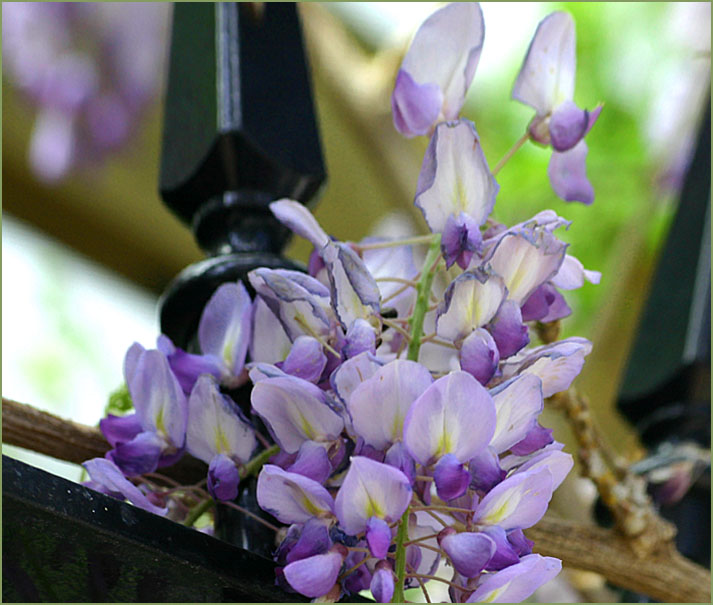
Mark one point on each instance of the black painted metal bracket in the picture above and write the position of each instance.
(63, 542)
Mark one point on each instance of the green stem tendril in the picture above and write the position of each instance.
(252, 467)
(423, 292)
(411, 241)
(195, 513)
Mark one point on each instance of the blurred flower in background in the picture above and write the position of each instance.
(89, 69)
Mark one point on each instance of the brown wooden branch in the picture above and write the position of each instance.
(662, 574)
(33, 429)
(665, 575)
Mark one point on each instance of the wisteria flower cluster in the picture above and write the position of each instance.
(401, 404)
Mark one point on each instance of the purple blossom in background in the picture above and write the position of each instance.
(546, 83)
(90, 70)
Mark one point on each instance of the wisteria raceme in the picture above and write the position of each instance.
(388, 452)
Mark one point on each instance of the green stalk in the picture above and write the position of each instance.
(423, 293)
(195, 513)
(252, 467)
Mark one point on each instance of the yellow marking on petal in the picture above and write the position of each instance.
(160, 423)
(221, 441)
(228, 354)
(460, 199)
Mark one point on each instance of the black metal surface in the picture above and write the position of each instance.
(239, 115)
(670, 358)
(63, 542)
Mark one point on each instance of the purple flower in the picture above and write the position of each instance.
(316, 575)
(456, 191)
(517, 582)
(295, 411)
(438, 69)
(107, 478)
(468, 551)
(455, 415)
(378, 406)
(371, 489)
(161, 411)
(291, 497)
(546, 83)
(216, 426)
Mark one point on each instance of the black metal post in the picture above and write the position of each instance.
(239, 132)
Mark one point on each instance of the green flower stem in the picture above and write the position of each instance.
(195, 513)
(423, 293)
(252, 467)
(511, 152)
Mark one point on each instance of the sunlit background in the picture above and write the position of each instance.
(88, 246)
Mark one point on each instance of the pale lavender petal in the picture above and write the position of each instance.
(445, 50)
(352, 373)
(360, 337)
(314, 540)
(518, 403)
(568, 174)
(378, 406)
(299, 310)
(485, 471)
(461, 238)
(455, 177)
(557, 462)
(382, 584)
(106, 474)
(392, 262)
(315, 576)
(120, 429)
(504, 555)
(572, 274)
(224, 328)
(216, 425)
(479, 355)
(269, 343)
(470, 301)
(455, 415)
(53, 144)
(312, 461)
(526, 259)
(519, 501)
(468, 551)
(378, 537)
(451, 478)
(138, 456)
(158, 398)
(568, 124)
(306, 359)
(516, 583)
(421, 525)
(536, 438)
(131, 359)
(295, 411)
(353, 289)
(371, 489)
(299, 219)
(556, 365)
(508, 330)
(546, 77)
(223, 478)
(291, 497)
(415, 107)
